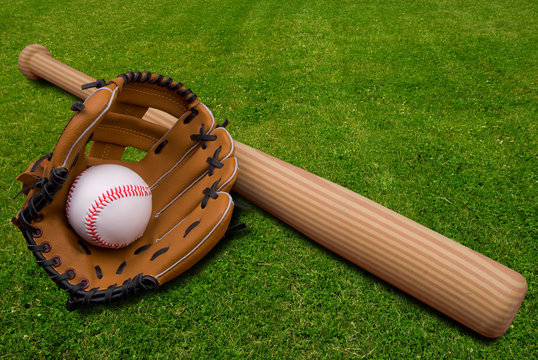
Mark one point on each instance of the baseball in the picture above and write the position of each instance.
(109, 205)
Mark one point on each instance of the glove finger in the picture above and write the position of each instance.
(191, 199)
(175, 146)
(189, 240)
(200, 164)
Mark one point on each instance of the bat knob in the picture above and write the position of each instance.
(25, 59)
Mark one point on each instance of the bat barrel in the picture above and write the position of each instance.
(461, 283)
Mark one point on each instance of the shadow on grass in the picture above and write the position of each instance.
(41, 84)
(431, 312)
(462, 329)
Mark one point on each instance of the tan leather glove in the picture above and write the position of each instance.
(190, 169)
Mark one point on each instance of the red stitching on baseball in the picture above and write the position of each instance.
(102, 201)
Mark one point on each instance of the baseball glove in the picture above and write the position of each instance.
(189, 167)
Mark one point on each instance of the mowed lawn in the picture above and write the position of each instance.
(426, 107)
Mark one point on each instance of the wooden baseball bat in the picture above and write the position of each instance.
(459, 282)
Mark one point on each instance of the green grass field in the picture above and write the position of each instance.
(426, 107)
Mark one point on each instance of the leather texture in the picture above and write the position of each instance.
(189, 167)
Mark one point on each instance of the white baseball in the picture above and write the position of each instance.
(109, 205)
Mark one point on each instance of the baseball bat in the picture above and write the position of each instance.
(469, 287)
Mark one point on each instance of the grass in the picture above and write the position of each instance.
(427, 107)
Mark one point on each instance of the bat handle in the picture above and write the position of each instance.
(35, 62)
